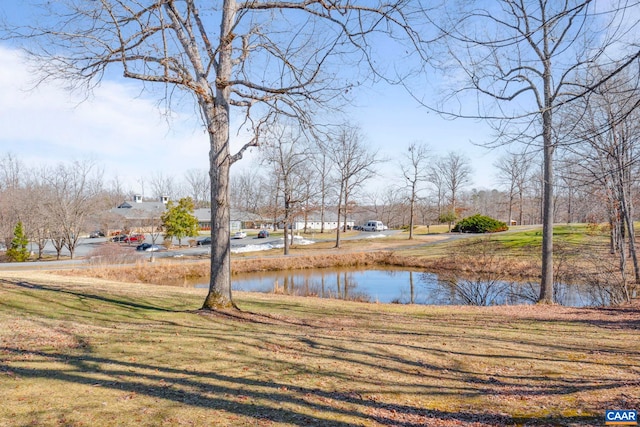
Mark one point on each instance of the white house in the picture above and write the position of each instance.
(314, 223)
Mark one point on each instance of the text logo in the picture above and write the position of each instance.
(621, 418)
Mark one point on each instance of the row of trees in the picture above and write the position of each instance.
(52, 203)
(518, 64)
(62, 203)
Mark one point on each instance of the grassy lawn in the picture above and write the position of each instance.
(86, 352)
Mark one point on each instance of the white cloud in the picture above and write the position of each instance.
(123, 131)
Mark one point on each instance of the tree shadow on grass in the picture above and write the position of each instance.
(246, 316)
(616, 318)
(122, 303)
(264, 400)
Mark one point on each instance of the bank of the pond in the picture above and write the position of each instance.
(168, 271)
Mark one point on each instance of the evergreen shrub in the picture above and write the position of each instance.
(479, 224)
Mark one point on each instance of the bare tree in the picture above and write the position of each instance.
(11, 171)
(605, 129)
(484, 202)
(164, 186)
(265, 58)
(287, 149)
(437, 180)
(308, 191)
(34, 214)
(513, 172)
(522, 59)
(354, 164)
(388, 205)
(320, 161)
(452, 172)
(246, 191)
(73, 189)
(414, 171)
(11, 180)
(198, 187)
(271, 187)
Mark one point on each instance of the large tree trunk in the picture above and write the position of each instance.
(546, 283)
(216, 114)
(219, 295)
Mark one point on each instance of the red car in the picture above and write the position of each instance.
(135, 238)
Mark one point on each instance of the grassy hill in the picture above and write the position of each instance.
(76, 351)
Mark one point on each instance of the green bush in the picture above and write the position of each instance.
(479, 224)
(18, 251)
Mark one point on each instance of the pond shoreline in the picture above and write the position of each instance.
(170, 271)
(464, 258)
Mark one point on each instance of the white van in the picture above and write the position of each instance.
(373, 226)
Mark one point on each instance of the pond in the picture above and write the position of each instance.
(403, 286)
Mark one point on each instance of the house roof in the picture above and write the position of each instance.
(139, 210)
(145, 210)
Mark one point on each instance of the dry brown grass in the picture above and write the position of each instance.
(80, 352)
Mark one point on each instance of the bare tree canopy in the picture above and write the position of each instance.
(354, 163)
(414, 171)
(517, 62)
(286, 148)
(73, 191)
(603, 131)
(267, 58)
(514, 173)
(198, 186)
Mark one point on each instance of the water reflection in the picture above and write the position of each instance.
(407, 287)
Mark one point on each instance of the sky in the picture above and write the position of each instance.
(125, 131)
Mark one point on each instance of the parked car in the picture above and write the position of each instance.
(134, 238)
(204, 241)
(263, 234)
(240, 235)
(147, 247)
(119, 238)
(96, 233)
(373, 226)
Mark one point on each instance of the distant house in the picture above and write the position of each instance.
(144, 215)
(314, 223)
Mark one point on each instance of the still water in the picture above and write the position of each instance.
(406, 287)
